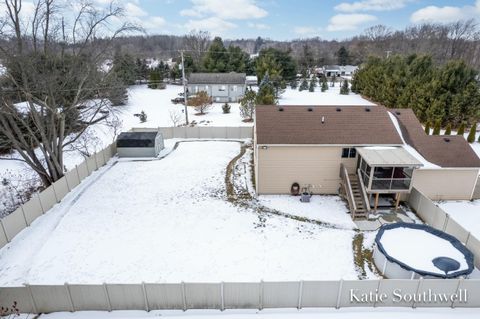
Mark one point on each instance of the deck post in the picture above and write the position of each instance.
(397, 202)
(377, 195)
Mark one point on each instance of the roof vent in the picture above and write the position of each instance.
(310, 109)
(280, 109)
(339, 109)
(323, 119)
(447, 140)
(367, 109)
(398, 112)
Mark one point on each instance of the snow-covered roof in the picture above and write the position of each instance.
(388, 156)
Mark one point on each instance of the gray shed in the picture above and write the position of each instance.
(139, 144)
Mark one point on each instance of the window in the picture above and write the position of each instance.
(222, 88)
(349, 153)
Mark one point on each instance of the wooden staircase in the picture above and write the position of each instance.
(361, 211)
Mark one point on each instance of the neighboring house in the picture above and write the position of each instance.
(366, 153)
(337, 70)
(251, 80)
(331, 70)
(348, 70)
(222, 87)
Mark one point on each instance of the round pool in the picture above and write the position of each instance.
(407, 251)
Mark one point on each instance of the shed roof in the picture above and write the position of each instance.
(445, 151)
(388, 156)
(341, 125)
(217, 78)
(137, 139)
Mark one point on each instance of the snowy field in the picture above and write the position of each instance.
(466, 213)
(344, 313)
(168, 220)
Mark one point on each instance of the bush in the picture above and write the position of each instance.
(427, 128)
(344, 90)
(303, 85)
(471, 134)
(437, 127)
(142, 116)
(294, 84)
(201, 102)
(448, 129)
(461, 129)
(324, 85)
(226, 108)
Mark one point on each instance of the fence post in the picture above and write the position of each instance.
(78, 175)
(339, 295)
(4, 230)
(55, 193)
(456, 291)
(67, 289)
(222, 296)
(445, 223)
(145, 297)
(24, 217)
(378, 291)
(260, 297)
(184, 297)
(107, 297)
(300, 294)
(468, 238)
(32, 299)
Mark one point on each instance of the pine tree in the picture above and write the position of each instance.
(471, 134)
(324, 84)
(344, 90)
(216, 58)
(294, 84)
(343, 56)
(334, 79)
(303, 85)
(313, 84)
(437, 127)
(448, 129)
(427, 128)
(461, 129)
(266, 92)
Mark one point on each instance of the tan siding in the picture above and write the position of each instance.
(280, 166)
(445, 184)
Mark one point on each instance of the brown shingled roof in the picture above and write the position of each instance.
(352, 125)
(445, 151)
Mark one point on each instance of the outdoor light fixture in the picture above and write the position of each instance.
(264, 147)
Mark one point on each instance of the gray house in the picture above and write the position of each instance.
(222, 87)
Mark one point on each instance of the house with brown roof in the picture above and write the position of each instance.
(364, 153)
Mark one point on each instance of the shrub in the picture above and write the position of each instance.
(461, 129)
(294, 84)
(142, 116)
(201, 102)
(344, 90)
(448, 129)
(471, 134)
(324, 85)
(437, 127)
(226, 108)
(303, 85)
(427, 128)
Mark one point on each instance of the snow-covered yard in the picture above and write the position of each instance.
(169, 220)
(466, 213)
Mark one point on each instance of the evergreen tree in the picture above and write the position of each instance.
(279, 61)
(294, 84)
(343, 56)
(125, 68)
(266, 92)
(437, 127)
(344, 90)
(461, 129)
(313, 84)
(478, 140)
(448, 129)
(427, 128)
(155, 79)
(471, 134)
(237, 60)
(303, 85)
(216, 58)
(324, 84)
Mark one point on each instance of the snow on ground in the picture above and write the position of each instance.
(167, 221)
(324, 208)
(402, 244)
(312, 313)
(466, 213)
(330, 97)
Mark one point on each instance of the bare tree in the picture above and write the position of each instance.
(52, 67)
(176, 117)
(196, 43)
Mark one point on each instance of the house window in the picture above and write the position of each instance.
(222, 88)
(196, 89)
(349, 152)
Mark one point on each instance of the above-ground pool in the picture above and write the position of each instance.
(404, 251)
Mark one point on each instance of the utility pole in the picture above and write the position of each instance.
(184, 88)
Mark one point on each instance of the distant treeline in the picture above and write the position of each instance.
(448, 94)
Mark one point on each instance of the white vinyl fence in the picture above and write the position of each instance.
(238, 295)
(207, 132)
(439, 219)
(40, 203)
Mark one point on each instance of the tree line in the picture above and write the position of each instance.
(444, 94)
